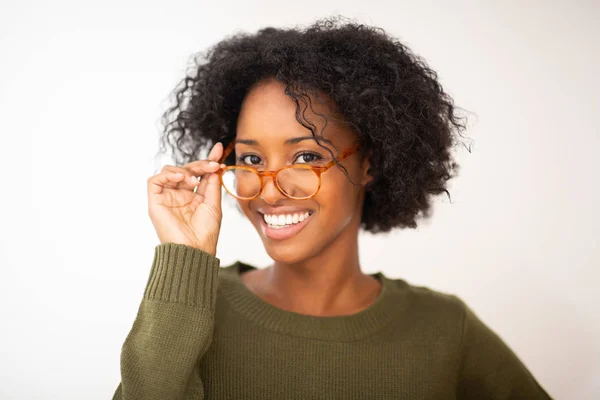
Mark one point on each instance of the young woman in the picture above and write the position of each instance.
(317, 133)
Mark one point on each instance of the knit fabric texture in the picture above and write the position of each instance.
(200, 334)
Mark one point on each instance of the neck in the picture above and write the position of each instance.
(329, 283)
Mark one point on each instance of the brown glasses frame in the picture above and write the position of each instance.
(262, 174)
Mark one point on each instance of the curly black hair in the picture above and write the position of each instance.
(389, 96)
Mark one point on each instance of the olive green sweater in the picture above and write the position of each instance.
(200, 333)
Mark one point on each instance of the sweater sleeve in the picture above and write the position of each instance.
(173, 327)
(489, 368)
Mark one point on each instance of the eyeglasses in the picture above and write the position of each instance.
(297, 181)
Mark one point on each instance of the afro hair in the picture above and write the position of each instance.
(389, 96)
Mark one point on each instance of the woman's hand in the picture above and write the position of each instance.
(178, 214)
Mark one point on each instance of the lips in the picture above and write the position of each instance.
(285, 232)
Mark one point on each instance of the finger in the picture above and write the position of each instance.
(190, 181)
(216, 152)
(212, 196)
(201, 167)
(168, 179)
(204, 181)
(201, 188)
(214, 155)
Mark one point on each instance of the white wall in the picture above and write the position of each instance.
(82, 87)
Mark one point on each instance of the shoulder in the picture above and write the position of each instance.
(425, 296)
(427, 304)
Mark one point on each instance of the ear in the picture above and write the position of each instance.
(367, 177)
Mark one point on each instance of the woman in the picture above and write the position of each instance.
(316, 133)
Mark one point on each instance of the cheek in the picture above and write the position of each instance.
(337, 196)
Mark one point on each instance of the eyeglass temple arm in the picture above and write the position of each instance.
(345, 154)
(227, 151)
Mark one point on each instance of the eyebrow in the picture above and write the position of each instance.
(295, 140)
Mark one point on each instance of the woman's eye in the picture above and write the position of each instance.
(250, 159)
(306, 158)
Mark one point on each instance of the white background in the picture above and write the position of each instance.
(82, 87)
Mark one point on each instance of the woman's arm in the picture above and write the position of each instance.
(173, 327)
(490, 369)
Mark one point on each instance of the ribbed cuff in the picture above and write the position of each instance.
(183, 274)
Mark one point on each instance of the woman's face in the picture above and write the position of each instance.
(266, 121)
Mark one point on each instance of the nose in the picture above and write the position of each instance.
(270, 193)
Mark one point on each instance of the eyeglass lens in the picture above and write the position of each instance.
(294, 182)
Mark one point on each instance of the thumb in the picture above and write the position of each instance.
(212, 196)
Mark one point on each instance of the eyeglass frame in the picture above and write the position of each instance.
(318, 170)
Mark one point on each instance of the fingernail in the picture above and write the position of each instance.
(213, 164)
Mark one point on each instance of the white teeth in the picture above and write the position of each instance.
(282, 220)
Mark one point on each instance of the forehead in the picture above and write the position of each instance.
(268, 115)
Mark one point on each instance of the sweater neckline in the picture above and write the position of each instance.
(343, 328)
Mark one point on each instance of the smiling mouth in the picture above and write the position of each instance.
(283, 226)
(278, 221)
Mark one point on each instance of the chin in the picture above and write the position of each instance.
(289, 253)
(294, 250)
